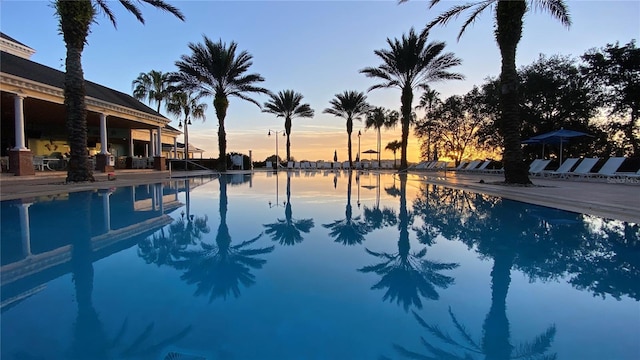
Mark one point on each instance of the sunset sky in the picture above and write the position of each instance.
(313, 47)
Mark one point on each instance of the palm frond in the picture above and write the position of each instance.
(557, 8)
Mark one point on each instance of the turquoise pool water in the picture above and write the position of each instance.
(313, 266)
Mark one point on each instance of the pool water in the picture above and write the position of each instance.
(313, 265)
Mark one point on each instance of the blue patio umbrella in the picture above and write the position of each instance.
(560, 136)
(543, 142)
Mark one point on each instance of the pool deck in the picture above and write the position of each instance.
(619, 199)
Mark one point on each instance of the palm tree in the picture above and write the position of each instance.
(184, 103)
(394, 146)
(411, 63)
(509, 15)
(76, 18)
(349, 105)
(288, 230)
(380, 117)
(152, 86)
(287, 104)
(428, 99)
(215, 69)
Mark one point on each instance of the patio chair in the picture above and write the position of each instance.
(566, 167)
(483, 166)
(472, 165)
(583, 169)
(609, 168)
(539, 167)
(38, 162)
(461, 165)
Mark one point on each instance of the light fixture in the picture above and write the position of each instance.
(180, 124)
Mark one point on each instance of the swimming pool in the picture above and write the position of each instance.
(313, 265)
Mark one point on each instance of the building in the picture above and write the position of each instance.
(33, 117)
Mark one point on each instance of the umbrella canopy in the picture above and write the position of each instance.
(370, 151)
(557, 136)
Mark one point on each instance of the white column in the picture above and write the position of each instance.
(150, 150)
(18, 104)
(106, 211)
(175, 147)
(130, 143)
(146, 150)
(104, 145)
(25, 233)
(159, 141)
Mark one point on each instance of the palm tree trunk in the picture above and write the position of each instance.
(509, 16)
(496, 341)
(379, 147)
(75, 19)
(630, 129)
(221, 104)
(349, 131)
(287, 129)
(407, 98)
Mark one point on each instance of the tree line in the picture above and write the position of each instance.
(597, 93)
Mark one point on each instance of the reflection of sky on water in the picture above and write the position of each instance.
(309, 300)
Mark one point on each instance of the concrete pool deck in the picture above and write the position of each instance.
(618, 199)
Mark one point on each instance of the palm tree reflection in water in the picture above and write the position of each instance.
(219, 269)
(495, 228)
(408, 276)
(287, 231)
(375, 217)
(350, 230)
(90, 340)
(164, 249)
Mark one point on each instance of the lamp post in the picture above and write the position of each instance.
(359, 134)
(187, 122)
(276, 132)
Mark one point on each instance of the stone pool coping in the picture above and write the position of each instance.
(610, 199)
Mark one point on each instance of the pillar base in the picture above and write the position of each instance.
(102, 163)
(159, 163)
(21, 162)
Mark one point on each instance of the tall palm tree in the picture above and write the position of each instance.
(287, 104)
(215, 69)
(184, 103)
(509, 15)
(152, 86)
(394, 146)
(428, 99)
(350, 105)
(411, 63)
(75, 19)
(378, 118)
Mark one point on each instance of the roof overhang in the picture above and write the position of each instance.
(28, 88)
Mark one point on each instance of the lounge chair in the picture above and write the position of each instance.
(472, 165)
(583, 169)
(539, 167)
(290, 165)
(483, 165)
(566, 167)
(461, 165)
(609, 168)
